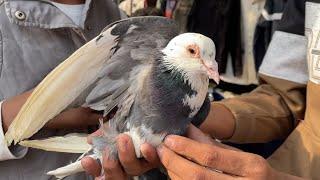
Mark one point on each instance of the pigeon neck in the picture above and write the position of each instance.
(196, 80)
(187, 91)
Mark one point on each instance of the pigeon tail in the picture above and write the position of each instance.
(72, 168)
(68, 170)
(106, 140)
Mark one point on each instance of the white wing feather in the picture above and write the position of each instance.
(71, 143)
(61, 87)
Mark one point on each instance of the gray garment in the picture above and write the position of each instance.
(35, 37)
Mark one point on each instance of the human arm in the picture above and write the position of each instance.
(70, 119)
(188, 158)
(199, 157)
(269, 112)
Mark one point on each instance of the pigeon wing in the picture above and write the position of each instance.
(138, 44)
(96, 75)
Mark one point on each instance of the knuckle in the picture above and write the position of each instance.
(134, 172)
(109, 167)
(131, 172)
(130, 169)
(259, 166)
(198, 175)
(167, 163)
(126, 160)
(179, 146)
(211, 158)
(108, 171)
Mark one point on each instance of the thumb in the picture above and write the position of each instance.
(91, 166)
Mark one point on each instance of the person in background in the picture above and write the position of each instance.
(35, 36)
(290, 82)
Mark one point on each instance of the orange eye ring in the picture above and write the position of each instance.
(194, 51)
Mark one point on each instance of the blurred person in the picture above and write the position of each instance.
(35, 36)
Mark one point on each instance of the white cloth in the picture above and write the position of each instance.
(74, 12)
(286, 58)
(5, 153)
(313, 34)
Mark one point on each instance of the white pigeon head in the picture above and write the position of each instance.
(193, 54)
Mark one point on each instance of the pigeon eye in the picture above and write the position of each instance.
(191, 51)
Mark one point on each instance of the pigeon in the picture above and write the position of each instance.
(153, 79)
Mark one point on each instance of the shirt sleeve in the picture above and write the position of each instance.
(268, 113)
(12, 152)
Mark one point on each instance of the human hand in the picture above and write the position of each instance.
(72, 118)
(202, 158)
(128, 164)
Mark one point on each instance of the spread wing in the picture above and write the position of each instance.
(99, 75)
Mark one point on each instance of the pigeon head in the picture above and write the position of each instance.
(192, 54)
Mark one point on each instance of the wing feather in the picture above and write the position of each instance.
(99, 74)
(61, 87)
(139, 41)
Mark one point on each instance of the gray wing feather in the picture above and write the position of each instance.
(139, 39)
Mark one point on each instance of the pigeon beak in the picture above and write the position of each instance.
(212, 70)
(214, 75)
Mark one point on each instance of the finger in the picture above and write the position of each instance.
(112, 168)
(100, 178)
(127, 156)
(150, 154)
(185, 169)
(229, 161)
(197, 135)
(173, 176)
(97, 133)
(91, 166)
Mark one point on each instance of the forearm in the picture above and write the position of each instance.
(11, 107)
(268, 113)
(15, 152)
(220, 122)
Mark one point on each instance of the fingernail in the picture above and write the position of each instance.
(144, 151)
(169, 141)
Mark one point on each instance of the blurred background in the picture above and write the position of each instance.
(241, 30)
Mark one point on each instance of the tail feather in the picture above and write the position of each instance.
(107, 140)
(72, 168)
(68, 170)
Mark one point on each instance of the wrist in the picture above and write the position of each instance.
(11, 107)
(220, 122)
(3, 118)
